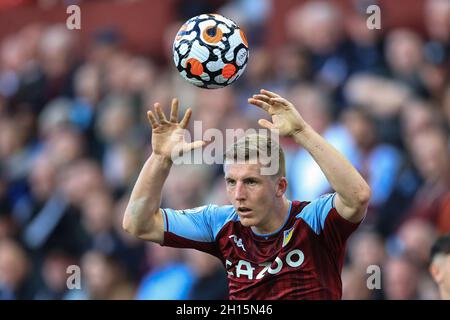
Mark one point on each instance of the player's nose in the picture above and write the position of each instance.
(239, 191)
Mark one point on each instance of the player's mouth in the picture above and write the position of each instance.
(244, 211)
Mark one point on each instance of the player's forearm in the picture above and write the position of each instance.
(340, 173)
(145, 199)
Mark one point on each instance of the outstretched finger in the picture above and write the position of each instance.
(184, 122)
(174, 111)
(259, 103)
(269, 93)
(193, 145)
(162, 118)
(152, 119)
(280, 100)
(261, 97)
(265, 124)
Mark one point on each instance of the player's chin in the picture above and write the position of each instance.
(248, 221)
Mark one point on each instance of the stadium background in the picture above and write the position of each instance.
(73, 136)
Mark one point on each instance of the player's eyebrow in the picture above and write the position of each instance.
(245, 178)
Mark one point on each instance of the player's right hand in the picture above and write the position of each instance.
(168, 138)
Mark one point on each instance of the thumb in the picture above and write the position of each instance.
(194, 145)
(265, 124)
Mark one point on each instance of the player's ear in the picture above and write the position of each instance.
(435, 272)
(281, 186)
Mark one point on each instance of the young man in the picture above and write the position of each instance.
(440, 265)
(272, 248)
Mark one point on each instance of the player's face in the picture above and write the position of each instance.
(446, 273)
(253, 195)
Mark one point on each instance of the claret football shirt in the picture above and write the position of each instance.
(301, 260)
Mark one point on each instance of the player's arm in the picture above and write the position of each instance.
(143, 216)
(353, 193)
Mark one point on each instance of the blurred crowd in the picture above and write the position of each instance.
(74, 135)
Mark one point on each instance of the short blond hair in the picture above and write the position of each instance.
(255, 147)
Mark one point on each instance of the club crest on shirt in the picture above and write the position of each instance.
(287, 235)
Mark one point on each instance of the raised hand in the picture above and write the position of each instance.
(168, 135)
(285, 116)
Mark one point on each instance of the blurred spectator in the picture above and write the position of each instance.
(79, 179)
(364, 90)
(437, 49)
(188, 183)
(212, 107)
(132, 253)
(291, 65)
(405, 58)
(98, 219)
(305, 177)
(417, 116)
(446, 106)
(430, 152)
(258, 74)
(105, 278)
(416, 238)
(378, 162)
(437, 22)
(56, 52)
(115, 127)
(105, 44)
(440, 265)
(210, 282)
(65, 145)
(8, 226)
(253, 24)
(88, 93)
(318, 27)
(15, 154)
(11, 60)
(53, 75)
(400, 279)
(366, 248)
(47, 220)
(168, 279)
(54, 275)
(365, 44)
(121, 166)
(14, 272)
(354, 285)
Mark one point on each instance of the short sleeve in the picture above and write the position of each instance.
(195, 228)
(324, 220)
(316, 212)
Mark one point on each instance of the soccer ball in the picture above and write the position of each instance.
(210, 51)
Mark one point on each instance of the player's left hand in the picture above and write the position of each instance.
(285, 116)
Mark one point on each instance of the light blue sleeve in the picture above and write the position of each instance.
(198, 224)
(384, 165)
(315, 213)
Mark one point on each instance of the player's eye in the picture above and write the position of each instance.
(250, 182)
(231, 182)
